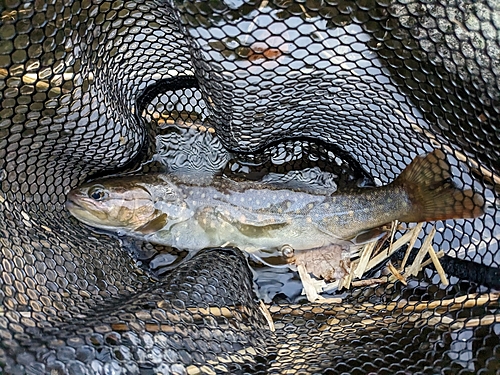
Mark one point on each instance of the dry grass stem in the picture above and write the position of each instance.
(396, 273)
(308, 284)
(394, 227)
(366, 254)
(415, 232)
(403, 240)
(345, 282)
(439, 254)
(267, 315)
(415, 268)
(437, 264)
(369, 282)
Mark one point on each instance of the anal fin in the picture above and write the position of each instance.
(370, 235)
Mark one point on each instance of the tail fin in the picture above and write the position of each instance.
(427, 180)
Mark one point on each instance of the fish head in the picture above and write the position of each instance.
(114, 204)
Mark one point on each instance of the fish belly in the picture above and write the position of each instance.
(193, 236)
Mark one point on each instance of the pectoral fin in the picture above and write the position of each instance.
(154, 225)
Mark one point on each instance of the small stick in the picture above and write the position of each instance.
(267, 315)
(308, 285)
(415, 232)
(415, 268)
(380, 245)
(437, 264)
(394, 226)
(396, 273)
(345, 282)
(368, 282)
(364, 259)
(396, 246)
(338, 284)
(332, 300)
(439, 254)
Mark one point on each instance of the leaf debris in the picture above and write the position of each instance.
(337, 271)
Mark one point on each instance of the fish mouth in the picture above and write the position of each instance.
(78, 201)
(82, 209)
(75, 203)
(78, 211)
(87, 212)
(72, 205)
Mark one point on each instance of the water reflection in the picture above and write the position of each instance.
(188, 150)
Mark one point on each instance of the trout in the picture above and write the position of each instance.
(192, 215)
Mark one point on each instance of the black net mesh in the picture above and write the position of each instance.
(337, 93)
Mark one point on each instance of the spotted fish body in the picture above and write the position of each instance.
(190, 214)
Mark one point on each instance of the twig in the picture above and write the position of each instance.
(415, 232)
(439, 254)
(415, 268)
(394, 226)
(368, 282)
(396, 273)
(267, 315)
(366, 254)
(439, 267)
(345, 282)
(396, 246)
(308, 284)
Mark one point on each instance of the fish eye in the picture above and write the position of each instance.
(98, 193)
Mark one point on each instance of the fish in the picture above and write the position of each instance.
(194, 213)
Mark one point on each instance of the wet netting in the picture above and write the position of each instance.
(324, 94)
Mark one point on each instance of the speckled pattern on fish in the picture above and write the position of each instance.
(190, 213)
